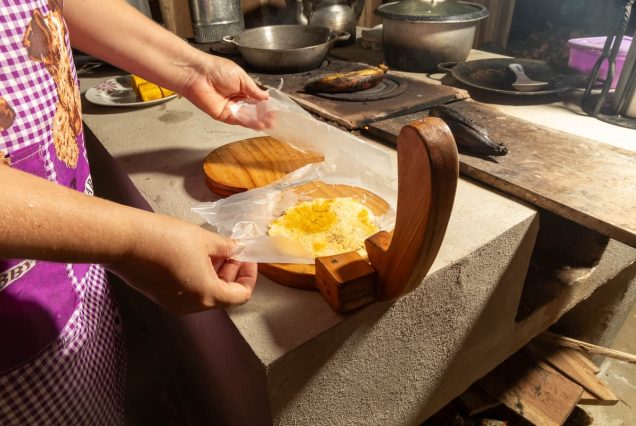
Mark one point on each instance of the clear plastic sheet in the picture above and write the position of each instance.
(349, 160)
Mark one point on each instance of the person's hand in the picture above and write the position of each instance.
(185, 268)
(217, 83)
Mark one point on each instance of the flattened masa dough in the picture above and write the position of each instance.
(327, 226)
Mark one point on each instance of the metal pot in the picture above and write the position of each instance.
(285, 48)
(338, 15)
(417, 35)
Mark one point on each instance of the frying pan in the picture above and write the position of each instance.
(493, 75)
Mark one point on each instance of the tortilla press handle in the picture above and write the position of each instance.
(446, 66)
(428, 169)
(229, 39)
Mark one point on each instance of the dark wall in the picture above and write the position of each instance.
(590, 17)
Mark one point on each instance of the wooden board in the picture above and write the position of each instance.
(475, 401)
(418, 96)
(572, 367)
(302, 276)
(176, 17)
(497, 27)
(252, 163)
(588, 182)
(539, 395)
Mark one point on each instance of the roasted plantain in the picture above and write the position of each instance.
(470, 137)
(347, 82)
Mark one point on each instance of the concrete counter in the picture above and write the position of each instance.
(388, 363)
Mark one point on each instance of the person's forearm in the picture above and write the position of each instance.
(121, 35)
(44, 221)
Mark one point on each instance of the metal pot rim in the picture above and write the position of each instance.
(479, 12)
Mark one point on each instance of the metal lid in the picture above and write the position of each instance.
(432, 11)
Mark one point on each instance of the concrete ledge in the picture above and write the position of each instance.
(388, 363)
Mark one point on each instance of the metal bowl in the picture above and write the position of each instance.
(418, 35)
(285, 48)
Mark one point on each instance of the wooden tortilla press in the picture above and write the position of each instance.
(428, 169)
(427, 178)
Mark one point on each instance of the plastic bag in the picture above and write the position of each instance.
(349, 160)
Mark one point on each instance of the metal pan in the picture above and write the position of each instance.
(286, 48)
(493, 75)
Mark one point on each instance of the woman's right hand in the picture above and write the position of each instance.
(184, 268)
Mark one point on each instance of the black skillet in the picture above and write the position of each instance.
(493, 75)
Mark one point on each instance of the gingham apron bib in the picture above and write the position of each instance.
(61, 350)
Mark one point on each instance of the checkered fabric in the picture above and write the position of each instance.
(79, 380)
(24, 83)
(79, 377)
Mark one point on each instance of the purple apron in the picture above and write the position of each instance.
(60, 346)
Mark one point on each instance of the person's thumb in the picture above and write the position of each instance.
(223, 247)
(253, 91)
(232, 293)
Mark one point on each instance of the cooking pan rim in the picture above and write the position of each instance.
(455, 72)
(331, 37)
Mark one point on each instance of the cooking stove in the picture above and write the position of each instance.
(394, 96)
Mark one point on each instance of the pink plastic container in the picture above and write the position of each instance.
(585, 51)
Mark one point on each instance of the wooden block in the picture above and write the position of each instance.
(571, 367)
(541, 396)
(346, 281)
(475, 401)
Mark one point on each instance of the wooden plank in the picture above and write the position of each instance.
(569, 342)
(495, 28)
(588, 182)
(571, 367)
(368, 18)
(539, 395)
(176, 17)
(475, 401)
(586, 397)
(589, 399)
(582, 358)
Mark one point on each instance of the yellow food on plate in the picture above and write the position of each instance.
(147, 91)
(327, 226)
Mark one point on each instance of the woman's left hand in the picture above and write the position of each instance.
(216, 84)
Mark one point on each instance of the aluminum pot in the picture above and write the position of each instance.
(417, 35)
(285, 48)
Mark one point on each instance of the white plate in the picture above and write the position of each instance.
(119, 92)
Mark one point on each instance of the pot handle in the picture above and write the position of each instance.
(340, 35)
(229, 39)
(446, 66)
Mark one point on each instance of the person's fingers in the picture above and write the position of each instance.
(231, 293)
(253, 91)
(229, 270)
(247, 274)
